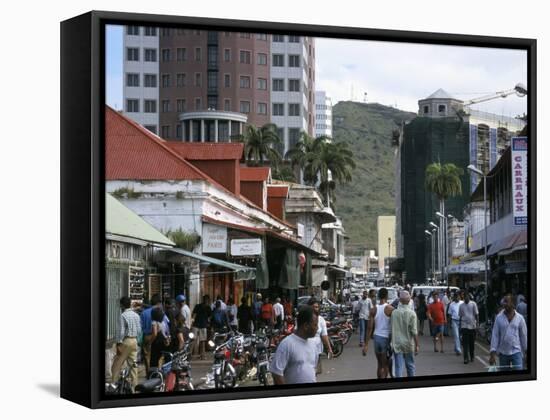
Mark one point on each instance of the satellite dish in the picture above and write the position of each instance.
(521, 90)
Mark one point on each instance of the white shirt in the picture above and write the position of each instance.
(321, 332)
(382, 325)
(454, 308)
(279, 310)
(295, 360)
(365, 306)
(186, 313)
(232, 309)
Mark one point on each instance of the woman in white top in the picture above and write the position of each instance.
(381, 325)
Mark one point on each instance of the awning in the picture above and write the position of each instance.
(467, 267)
(242, 272)
(507, 243)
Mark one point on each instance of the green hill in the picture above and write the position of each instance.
(367, 128)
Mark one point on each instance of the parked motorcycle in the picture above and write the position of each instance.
(174, 375)
(336, 341)
(123, 385)
(227, 359)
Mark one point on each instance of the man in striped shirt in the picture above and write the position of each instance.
(129, 329)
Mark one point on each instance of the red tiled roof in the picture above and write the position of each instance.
(279, 191)
(207, 151)
(255, 174)
(133, 152)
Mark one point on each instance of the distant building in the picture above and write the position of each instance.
(445, 131)
(140, 72)
(385, 226)
(323, 114)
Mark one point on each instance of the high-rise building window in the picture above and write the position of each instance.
(132, 30)
(150, 31)
(245, 35)
(293, 137)
(294, 85)
(198, 79)
(165, 105)
(227, 55)
(132, 79)
(197, 32)
(166, 80)
(180, 80)
(212, 102)
(244, 82)
(198, 54)
(180, 105)
(166, 55)
(150, 54)
(278, 110)
(227, 105)
(278, 38)
(212, 80)
(244, 57)
(165, 131)
(181, 54)
(180, 32)
(262, 59)
(278, 60)
(150, 106)
(212, 56)
(262, 84)
(165, 32)
(150, 80)
(178, 132)
(294, 61)
(261, 37)
(262, 108)
(294, 110)
(151, 128)
(245, 107)
(293, 38)
(198, 104)
(226, 80)
(132, 54)
(132, 105)
(278, 85)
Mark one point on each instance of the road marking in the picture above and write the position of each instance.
(483, 348)
(483, 362)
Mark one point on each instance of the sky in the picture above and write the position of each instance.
(391, 73)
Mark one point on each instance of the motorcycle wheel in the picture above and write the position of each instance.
(262, 376)
(346, 337)
(229, 380)
(337, 348)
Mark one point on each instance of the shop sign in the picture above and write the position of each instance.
(246, 247)
(301, 230)
(515, 267)
(519, 180)
(214, 239)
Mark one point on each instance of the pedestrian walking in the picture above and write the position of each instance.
(257, 309)
(201, 315)
(404, 335)
(446, 300)
(364, 307)
(146, 327)
(181, 301)
(219, 319)
(522, 307)
(128, 331)
(380, 329)
(355, 311)
(438, 319)
(160, 336)
(268, 318)
(321, 336)
(421, 310)
(295, 360)
(232, 313)
(454, 315)
(469, 320)
(245, 317)
(509, 340)
(278, 313)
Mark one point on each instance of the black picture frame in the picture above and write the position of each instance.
(83, 203)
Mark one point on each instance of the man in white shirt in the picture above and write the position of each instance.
(279, 311)
(321, 336)
(454, 314)
(365, 305)
(185, 311)
(296, 356)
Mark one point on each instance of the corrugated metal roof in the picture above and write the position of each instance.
(255, 174)
(207, 151)
(133, 152)
(121, 221)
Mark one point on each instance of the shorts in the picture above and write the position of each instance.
(381, 344)
(202, 334)
(438, 329)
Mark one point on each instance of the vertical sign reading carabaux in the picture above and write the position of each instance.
(519, 180)
(473, 155)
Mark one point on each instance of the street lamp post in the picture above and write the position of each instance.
(438, 246)
(427, 232)
(445, 245)
(475, 170)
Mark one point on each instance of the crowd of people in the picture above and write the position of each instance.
(392, 328)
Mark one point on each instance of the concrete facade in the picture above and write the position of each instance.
(385, 227)
(323, 114)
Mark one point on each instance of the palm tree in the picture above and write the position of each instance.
(323, 162)
(260, 145)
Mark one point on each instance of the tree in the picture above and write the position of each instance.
(322, 162)
(260, 145)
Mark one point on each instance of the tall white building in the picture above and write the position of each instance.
(292, 87)
(323, 114)
(141, 76)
